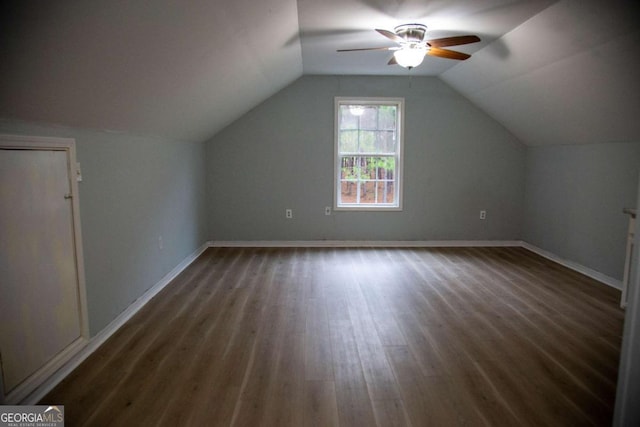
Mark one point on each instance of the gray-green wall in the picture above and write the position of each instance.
(564, 199)
(280, 155)
(574, 200)
(134, 190)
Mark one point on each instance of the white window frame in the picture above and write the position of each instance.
(399, 154)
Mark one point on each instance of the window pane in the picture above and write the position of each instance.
(381, 167)
(386, 141)
(367, 168)
(367, 180)
(385, 192)
(348, 141)
(372, 192)
(367, 142)
(369, 118)
(368, 153)
(348, 192)
(347, 119)
(377, 142)
(371, 131)
(387, 117)
(349, 168)
(367, 192)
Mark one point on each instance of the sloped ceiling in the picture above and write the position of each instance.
(171, 68)
(552, 72)
(569, 75)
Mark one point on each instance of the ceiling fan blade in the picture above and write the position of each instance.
(365, 48)
(453, 41)
(391, 35)
(392, 61)
(446, 53)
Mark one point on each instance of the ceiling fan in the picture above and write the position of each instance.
(413, 46)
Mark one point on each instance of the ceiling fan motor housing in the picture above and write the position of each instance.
(413, 33)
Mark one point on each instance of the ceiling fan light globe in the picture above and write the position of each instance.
(409, 57)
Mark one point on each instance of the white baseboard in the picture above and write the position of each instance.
(596, 275)
(26, 388)
(109, 330)
(359, 243)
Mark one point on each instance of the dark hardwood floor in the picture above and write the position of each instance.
(359, 337)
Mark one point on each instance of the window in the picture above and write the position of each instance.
(368, 153)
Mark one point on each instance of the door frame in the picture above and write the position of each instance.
(626, 412)
(67, 145)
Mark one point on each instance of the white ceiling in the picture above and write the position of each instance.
(328, 25)
(551, 72)
(172, 68)
(569, 75)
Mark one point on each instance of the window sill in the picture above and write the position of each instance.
(368, 208)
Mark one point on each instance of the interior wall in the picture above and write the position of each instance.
(280, 155)
(134, 191)
(574, 199)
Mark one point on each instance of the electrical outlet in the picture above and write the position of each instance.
(483, 214)
(160, 243)
(288, 213)
(327, 210)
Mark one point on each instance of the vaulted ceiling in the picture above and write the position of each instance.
(172, 68)
(552, 72)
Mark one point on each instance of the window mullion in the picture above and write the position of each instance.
(375, 184)
(358, 181)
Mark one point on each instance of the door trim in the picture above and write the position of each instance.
(67, 145)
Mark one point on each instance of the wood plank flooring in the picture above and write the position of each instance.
(359, 337)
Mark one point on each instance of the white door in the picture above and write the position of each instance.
(40, 302)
